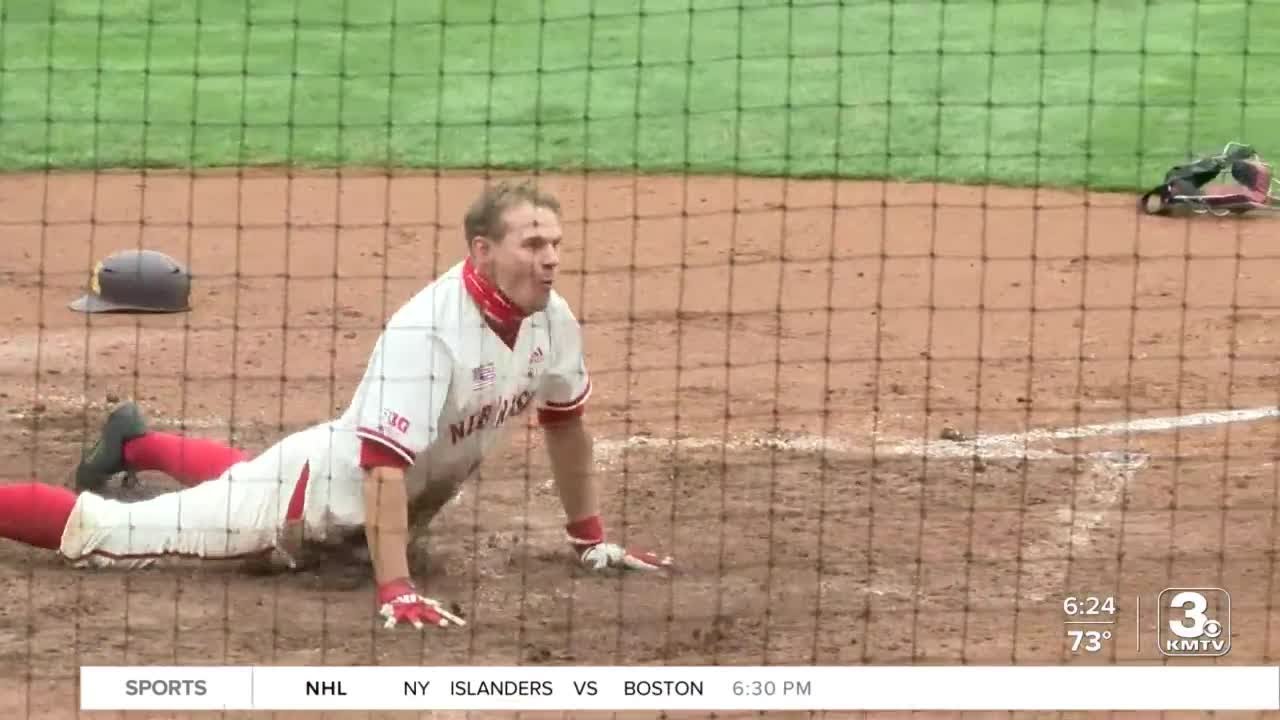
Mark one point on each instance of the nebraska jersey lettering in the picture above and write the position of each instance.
(441, 387)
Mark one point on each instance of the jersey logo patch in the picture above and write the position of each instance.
(484, 375)
(392, 420)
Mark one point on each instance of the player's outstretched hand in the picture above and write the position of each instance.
(586, 537)
(611, 555)
(400, 603)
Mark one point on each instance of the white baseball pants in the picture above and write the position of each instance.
(242, 513)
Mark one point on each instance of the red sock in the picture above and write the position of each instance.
(190, 461)
(35, 513)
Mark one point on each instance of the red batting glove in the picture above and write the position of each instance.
(399, 602)
(586, 537)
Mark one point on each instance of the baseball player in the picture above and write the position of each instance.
(453, 367)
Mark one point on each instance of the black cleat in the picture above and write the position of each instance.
(106, 458)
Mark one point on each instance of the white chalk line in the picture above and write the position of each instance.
(1007, 446)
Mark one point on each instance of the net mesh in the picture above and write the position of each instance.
(918, 413)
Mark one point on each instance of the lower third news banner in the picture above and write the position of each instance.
(1151, 687)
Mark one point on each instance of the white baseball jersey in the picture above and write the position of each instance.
(441, 387)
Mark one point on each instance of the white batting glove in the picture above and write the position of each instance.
(610, 555)
(586, 537)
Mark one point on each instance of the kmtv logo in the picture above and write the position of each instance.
(1194, 622)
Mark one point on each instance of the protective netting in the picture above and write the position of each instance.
(899, 416)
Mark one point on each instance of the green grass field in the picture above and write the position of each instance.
(1055, 93)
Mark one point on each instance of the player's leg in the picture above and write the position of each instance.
(241, 513)
(188, 460)
(423, 508)
(438, 493)
(35, 513)
(125, 444)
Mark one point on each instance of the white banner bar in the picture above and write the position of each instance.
(683, 688)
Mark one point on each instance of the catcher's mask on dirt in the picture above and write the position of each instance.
(1247, 183)
(143, 281)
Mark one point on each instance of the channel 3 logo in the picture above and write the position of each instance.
(1194, 622)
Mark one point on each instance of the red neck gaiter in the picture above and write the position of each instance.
(503, 316)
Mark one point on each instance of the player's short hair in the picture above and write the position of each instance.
(484, 217)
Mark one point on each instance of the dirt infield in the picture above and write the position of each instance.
(775, 366)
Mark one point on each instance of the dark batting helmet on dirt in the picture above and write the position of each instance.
(137, 281)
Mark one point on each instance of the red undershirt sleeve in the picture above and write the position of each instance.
(375, 454)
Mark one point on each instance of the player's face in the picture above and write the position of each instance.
(525, 261)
